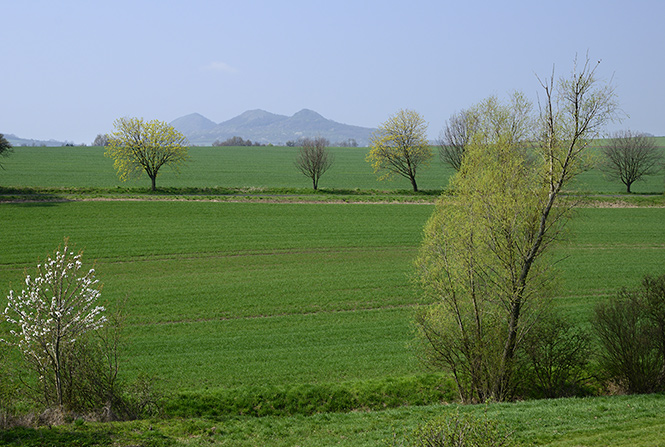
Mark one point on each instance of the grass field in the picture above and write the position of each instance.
(228, 296)
(235, 294)
(244, 167)
(622, 421)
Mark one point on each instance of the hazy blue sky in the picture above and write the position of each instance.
(70, 68)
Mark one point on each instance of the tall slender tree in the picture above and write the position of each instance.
(483, 256)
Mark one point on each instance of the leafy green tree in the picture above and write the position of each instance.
(5, 147)
(400, 146)
(482, 260)
(137, 146)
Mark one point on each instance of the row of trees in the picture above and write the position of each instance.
(398, 147)
(235, 141)
(627, 156)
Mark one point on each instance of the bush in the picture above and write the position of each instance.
(631, 331)
(457, 430)
(557, 354)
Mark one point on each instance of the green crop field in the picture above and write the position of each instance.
(234, 294)
(223, 297)
(245, 167)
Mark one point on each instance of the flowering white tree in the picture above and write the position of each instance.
(57, 307)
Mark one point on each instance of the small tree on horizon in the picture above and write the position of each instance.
(631, 156)
(400, 146)
(314, 159)
(137, 146)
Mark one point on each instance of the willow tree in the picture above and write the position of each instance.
(137, 146)
(400, 146)
(483, 260)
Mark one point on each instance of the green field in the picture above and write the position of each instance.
(247, 167)
(234, 294)
(225, 296)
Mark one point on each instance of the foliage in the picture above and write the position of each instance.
(461, 430)
(400, 146)
(482, 257)
(631, 156)
(5, 147)
(557, 353)
(57, 309)
(314, 159)
(136, 146)
(631, 330)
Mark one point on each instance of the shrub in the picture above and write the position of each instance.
(460, 430)
(557, 354)
(631, 331)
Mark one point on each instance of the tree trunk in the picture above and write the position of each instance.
(413, 183)
(154, 179)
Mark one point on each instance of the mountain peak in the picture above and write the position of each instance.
(265, 127)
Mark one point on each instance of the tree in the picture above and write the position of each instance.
(101, 140)
(483, 258)
(138, 146)
(5, 147)
(455, 138)
(314, 159)
(58, 306)
(630, 156)
(400, 146)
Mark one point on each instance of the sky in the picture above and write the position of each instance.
(71, 68)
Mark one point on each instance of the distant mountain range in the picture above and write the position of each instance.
(265, 127)
(17, 141)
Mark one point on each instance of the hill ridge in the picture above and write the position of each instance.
(265, 127)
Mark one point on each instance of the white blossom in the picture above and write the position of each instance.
(58, 305)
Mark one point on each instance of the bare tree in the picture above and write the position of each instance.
(454, 138)
(314, 159)
(101, 140)
(630, 156)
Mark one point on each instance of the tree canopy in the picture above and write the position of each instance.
(137, 146)
(400, 146)
(482, 259)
